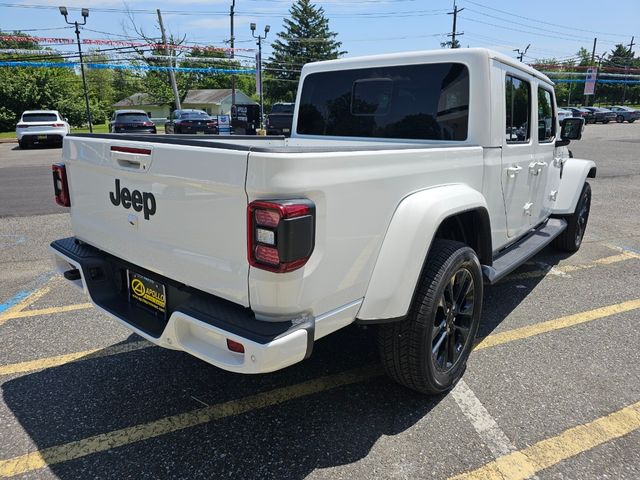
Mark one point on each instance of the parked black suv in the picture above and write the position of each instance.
(131, 121)
(280, 119)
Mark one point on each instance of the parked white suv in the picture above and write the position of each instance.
(409, 181)
(41, 126)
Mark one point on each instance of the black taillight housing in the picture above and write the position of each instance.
(60, 185)
(280, 234)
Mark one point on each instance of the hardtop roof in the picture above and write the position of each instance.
(426, 56)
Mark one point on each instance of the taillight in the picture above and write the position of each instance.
(280, 234)
(211, 124)
(22, 125)
(148, 124)
(58, 125)
(61, 185)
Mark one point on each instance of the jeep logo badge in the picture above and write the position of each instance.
(140, 201)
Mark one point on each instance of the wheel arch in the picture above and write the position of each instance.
(574, 173)
(449, 212)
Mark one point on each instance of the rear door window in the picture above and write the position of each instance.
(518, 109)
(422, 102)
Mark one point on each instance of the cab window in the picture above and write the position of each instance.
(518, 110)
(546, 116)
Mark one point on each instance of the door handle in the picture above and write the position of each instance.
(536, 167)
(513, 171)
(558, 161)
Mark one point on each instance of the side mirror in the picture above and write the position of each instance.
(570, 129)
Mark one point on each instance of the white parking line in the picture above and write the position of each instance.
(483, 423)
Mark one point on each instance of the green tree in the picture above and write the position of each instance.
(30, 88)
(306, 38)
(584, 57)
(448, 44)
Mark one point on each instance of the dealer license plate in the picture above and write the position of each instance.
(147, 292)
(42, 137)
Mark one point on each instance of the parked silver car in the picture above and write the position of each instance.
(625, 113)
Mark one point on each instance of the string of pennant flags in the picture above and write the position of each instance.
(117, 43)
(112, 66)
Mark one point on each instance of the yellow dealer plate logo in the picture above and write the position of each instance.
(148, 292)
(138, 287)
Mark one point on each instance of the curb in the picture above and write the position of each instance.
(8, 140)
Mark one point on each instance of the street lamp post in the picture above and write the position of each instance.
(259, 43)
(85, 14)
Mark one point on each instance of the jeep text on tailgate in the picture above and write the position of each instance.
(409, 181)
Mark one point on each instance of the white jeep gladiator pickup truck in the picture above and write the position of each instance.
(408, 182)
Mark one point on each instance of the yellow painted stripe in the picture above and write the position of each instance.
(564, 269)
(527, 462)
(58, 360)
(137, 433)
(36, 295)
(48, 311)
(557, 324)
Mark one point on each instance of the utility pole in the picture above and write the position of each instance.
(453, 33)
(232, 42)
(172, 74)
(626, 70)
(522, 53)
(85, 14)
(259, 66)
(593, 59)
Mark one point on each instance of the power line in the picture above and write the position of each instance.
(540, 21)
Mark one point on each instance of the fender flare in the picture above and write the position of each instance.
(574, 173)
(406, 245)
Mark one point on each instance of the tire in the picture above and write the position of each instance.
(631, 120)
(428, 350)
(605, 121)
(23, 144)
(571, 239)
(619, 119)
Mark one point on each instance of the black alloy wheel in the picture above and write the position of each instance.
(453, 321)
(571, 239)
(427, 351)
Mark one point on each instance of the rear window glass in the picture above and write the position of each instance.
(39, 117)
(422, 102)
(282, 108)
(132, 117)
(194, 115)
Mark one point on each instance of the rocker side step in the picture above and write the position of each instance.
(520, 252)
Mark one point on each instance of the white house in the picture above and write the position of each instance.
(214, 101)
(143, 101)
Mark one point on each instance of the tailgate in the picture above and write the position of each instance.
(177, 210)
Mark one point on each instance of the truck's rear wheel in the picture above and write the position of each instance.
(571, 239)
(428, 350)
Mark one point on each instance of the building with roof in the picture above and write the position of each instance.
(143, 101)
(214, 101)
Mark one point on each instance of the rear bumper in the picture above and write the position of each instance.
(44, 136)
(196, 322)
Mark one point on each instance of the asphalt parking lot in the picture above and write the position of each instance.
(552, 389)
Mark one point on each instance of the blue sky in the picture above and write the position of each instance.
(366, 27)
